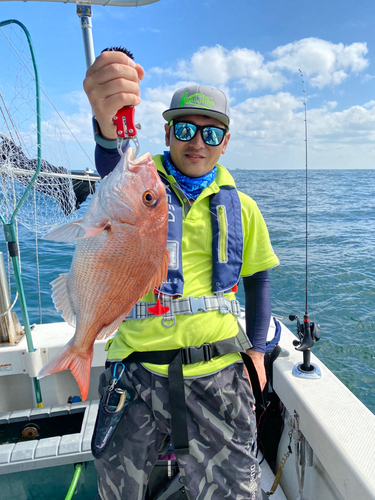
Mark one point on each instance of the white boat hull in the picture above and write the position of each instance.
(338, 427)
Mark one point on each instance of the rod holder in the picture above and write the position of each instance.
(308, 334)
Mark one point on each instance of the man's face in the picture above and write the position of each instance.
(194, 158)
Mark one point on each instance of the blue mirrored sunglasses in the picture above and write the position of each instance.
(185, 131)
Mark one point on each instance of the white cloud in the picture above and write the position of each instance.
(79, 99)
(332, 104)
(352, 126)
(366, 78)
(369, 105)
(163, 94)
(218, 66)
(148, 29)
(269, 120)
(325, 63)
(269, 130)
(69, 127)
(278, 120)
(149, 115)
(266, 129)
(60, 125)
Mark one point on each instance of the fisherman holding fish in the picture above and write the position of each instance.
(174, 356)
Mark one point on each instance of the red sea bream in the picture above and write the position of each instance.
(121, 254)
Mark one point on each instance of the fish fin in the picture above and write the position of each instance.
(67, 233)
(73, 231)
(108, 330)
(94, 230)
(78, 364)
(160, 275)
(62, 300)
(162, 272)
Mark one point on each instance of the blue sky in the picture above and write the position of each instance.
(250, 49)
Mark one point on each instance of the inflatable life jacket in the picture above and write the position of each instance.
(227, 242)
(227, 249)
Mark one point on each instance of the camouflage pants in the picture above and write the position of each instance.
(222, 438)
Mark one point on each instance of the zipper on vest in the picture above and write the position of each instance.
(223, 233)
(186, 205)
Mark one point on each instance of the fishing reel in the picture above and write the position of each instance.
(308, 333)
(306, 338)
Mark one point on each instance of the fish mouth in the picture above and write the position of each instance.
(136, 164)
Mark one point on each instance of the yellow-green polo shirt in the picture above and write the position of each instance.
(196, 329)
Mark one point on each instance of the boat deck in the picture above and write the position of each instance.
(49, 451)
(338, 427)
(56, 389)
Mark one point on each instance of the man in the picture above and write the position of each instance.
(200, 397)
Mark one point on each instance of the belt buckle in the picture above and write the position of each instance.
(236, 308)
(185, 356)
(223, 306)
(194, 354)
(207, 352)
(197, 304)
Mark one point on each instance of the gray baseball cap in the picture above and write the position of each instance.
(199, 100)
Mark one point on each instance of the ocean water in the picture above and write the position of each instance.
(340, 257)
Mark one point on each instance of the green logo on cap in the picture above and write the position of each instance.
(197, 100)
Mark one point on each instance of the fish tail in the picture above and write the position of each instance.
(78, 363)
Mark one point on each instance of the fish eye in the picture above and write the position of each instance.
(149, 198)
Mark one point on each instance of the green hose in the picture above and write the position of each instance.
(73, 484)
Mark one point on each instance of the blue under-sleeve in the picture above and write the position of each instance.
(257, 308)
(105, 160)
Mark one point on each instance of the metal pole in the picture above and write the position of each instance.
(84, 12)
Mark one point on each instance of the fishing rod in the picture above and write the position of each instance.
(308, 332)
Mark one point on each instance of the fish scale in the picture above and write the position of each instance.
(121, 254)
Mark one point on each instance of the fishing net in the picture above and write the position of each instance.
(51, 200)
(57, 192)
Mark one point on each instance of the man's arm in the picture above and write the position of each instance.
(258, 313)
(105, 160)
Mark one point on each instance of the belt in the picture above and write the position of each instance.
(186, 305)
(186, 356)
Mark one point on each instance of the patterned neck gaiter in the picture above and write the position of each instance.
(191, 186)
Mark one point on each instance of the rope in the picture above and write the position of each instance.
(299, 445)
(279, 471)
(299, 455)
(10, 307)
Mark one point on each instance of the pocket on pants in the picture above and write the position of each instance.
(115, 400)
(238, 401)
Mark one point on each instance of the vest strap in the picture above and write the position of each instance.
(186, 305)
